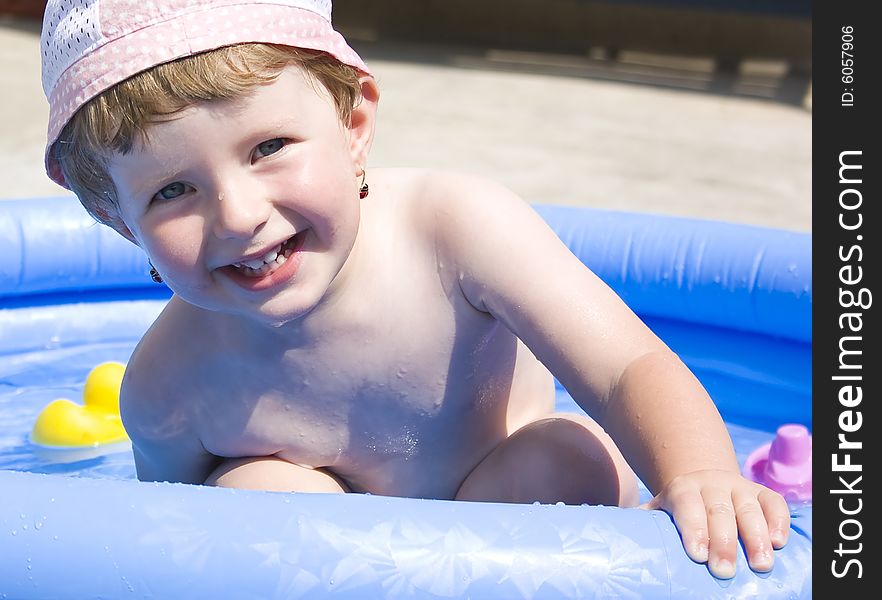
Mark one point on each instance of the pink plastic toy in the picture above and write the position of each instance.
(784, 464)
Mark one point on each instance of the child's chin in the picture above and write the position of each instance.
(278, 317)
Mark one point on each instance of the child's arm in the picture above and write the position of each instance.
(174, 464)
(165, 449)
(513, 266)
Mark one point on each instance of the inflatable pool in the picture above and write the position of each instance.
(734, 301)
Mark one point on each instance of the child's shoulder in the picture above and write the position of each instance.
(472, 224)
(437, 197)
(426, 184)
(160, 359)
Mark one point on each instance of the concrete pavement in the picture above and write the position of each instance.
(638, 133)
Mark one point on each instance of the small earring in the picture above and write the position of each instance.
(363, 189)
(154, 274)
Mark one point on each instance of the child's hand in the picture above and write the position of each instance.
(713, 508)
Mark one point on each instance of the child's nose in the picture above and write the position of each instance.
(239, 214)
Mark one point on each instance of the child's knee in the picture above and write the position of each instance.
(273, 474)
(565, 458)
(591, 441)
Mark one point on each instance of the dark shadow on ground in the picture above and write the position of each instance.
(773, 80)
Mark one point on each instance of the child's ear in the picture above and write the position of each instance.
(364, 116)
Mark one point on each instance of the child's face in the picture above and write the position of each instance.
(226, 183)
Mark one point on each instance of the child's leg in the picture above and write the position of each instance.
(563, 458)
(273, 474)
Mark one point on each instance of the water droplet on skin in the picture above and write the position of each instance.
(38, 525)
(559, 504)
(14, 532)
(55, 537)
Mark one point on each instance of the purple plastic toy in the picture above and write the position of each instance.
(784, 464)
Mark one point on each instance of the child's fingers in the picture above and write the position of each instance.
(722, 532)
(753, 529)
(711, 516)
(777, 515)
(685, 504)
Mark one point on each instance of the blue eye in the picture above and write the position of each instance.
(171, 191)
(269, 147)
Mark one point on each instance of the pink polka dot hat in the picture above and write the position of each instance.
(88, 46)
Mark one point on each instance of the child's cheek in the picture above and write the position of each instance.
(176, 244)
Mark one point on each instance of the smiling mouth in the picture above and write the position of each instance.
(272, 260)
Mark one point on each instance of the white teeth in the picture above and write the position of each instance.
(260, 267)
(252, 264)
(259, 262)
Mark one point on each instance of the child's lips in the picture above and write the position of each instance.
(275, 267)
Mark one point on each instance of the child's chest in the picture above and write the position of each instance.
(376, 406)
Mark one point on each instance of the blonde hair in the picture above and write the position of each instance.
(117, 118)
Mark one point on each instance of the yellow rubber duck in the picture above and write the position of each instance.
(65, 424)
